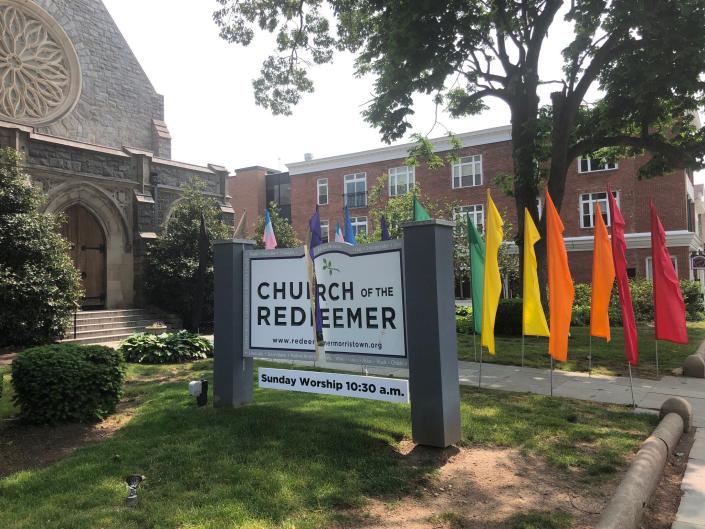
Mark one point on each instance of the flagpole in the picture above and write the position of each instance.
(522, 349)
(590, 357)
(474, 344)
(479, 384)
(631, 384)
(551, 376)
(656, 342)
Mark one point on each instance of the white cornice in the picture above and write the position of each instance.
(639, 240)
(394, 152)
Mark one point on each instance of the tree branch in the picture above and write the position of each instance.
(650, 143)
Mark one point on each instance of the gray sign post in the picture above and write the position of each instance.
(232, 372)
(431, 338)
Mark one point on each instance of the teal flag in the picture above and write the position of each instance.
(419, 211)
(477, 273)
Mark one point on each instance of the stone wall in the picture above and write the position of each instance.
(79, 161)
(117, 102)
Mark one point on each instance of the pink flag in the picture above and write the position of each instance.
(268, 238)
(619, 255)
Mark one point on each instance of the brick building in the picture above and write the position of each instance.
(346, 179)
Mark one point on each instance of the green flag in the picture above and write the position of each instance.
(477, 273)
(420, 212)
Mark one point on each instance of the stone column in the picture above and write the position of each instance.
(232, 372)
(430, 319)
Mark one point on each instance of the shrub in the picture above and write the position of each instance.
(167, 348)
(171, 264)
(509, 317)
(38, 282)
(693, 298)
(67, 383)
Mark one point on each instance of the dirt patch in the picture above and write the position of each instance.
(483, 488)
(25, 447)
(661, 511)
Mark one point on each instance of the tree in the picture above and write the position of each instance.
(39, 285)
(646, 57)
(172, 261)
(286, 237)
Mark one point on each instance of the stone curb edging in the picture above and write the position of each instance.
(626, 508)
(694, 365)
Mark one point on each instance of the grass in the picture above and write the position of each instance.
(289, 459)
(542, 520)
(607, 357)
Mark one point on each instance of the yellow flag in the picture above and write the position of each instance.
(493, 282)
(534, 320)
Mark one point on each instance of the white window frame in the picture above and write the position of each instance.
(355, 178)
(325, 228)
(591, 211)
(474, 160)
(407, 172)
(607, 166)
(358, 223)
(320, 183)
(649, 267)
(474, 211)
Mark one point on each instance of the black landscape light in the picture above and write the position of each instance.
(199, 389)
(133, 482)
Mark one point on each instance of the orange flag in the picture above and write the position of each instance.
(602, 279)
(560, 284)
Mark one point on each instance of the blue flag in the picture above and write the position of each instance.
(314, 225)
(385, 230)
(349, 233)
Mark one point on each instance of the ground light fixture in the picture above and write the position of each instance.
(199, 389)
(133, 481)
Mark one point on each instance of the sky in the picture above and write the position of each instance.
(209, 102)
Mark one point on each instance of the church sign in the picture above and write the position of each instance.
(360, 291)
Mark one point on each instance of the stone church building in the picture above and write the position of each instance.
(75, 100)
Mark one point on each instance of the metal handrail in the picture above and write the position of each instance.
(76, 308)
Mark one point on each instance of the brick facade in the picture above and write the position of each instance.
(248, 192)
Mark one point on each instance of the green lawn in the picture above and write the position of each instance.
(607, 358)
(290, 459)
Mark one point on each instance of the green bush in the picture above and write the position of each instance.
(38, 282)
(463, 319)
(509, 317)
(167, 348)
(67, 383)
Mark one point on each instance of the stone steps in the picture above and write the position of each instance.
(103, 326)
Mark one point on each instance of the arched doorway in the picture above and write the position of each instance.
(88, 252)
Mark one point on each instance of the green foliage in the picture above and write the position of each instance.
(67, 383)
(463, 319)
(642, 301)
(284, 232)
(542, 520)
(509, 317)
(167, 348)
(171, 262)
(38, 282)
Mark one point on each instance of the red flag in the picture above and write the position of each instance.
(619, 254)
(669, 308)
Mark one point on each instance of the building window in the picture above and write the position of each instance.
(650, 267)
(588, 165)
(325, 234)
(356, 190)
(279, 190)
(468, 172)
(401, 179)
(587, 208)
(476, 213)
(359, 225)
(322, 187)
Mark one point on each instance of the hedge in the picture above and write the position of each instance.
(167, 348)
(67, 383)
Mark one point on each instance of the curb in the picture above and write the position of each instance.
(626, 508)
(694, 365)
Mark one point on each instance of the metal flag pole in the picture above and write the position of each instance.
(656, 342)
(522, 349)
(474, 344)
(479, 384)
(551, 376)
(590, 357)
(631, 384)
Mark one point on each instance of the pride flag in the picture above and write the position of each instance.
(268, 238)
(338, 233)
(349, 235)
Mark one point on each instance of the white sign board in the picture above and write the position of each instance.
(373, 388)
(277, 315)
(361, 293)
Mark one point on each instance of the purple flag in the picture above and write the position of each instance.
(385, 229)
(314, 225)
